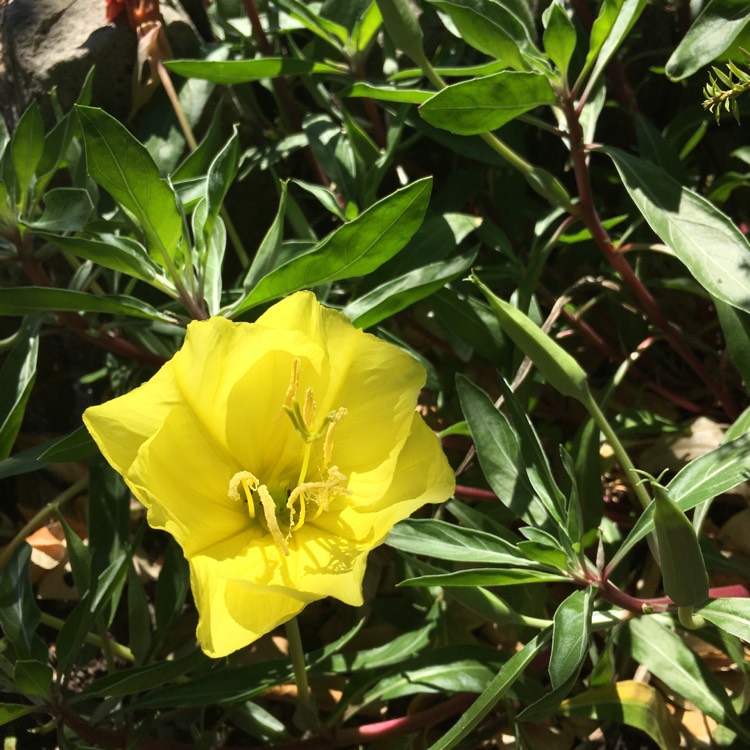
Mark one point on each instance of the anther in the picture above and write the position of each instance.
(269, 511)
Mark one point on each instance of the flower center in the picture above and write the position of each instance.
(282, 506)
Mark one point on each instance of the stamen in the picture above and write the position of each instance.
(269, 511)
(308, 413)
(248, 481)
(328, 443)
(291, 392)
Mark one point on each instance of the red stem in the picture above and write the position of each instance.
(474, 493)
(619, 263)
(112, 738)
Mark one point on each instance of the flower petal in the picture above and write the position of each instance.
(122, 425)
(182, 477)
(234, 613)
(382, 498)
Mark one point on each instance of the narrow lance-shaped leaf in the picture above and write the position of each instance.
(26, 148)
(403, 28)
(355, 249)
(125, 169)
(484, 104)
(635, 704)
(16, 381)
(717, 27)
(243, 71)
(559, 38)
(570, 636)
(701, 236)
(497, 29)
(558, 367)
(680, 556)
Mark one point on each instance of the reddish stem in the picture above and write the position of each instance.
(475, 493)
(619, 263)
(347, 737)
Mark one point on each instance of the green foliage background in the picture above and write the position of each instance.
(533, 202)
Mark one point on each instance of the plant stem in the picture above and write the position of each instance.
(40, 519)
(95, 640)
(618, 262)
(306, 713)
(622, 455)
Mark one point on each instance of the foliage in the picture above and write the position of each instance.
(536, 207)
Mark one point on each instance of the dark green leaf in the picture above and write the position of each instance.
(714, 31)
(731, 615)
(446, 541)
(389, 93)
(707, 241)
(559, 38)
(499, 454)
(670, 659)
(501, 683)
(123, 167)
(33, 678)
(570, 635)
(118, 253)
(243, 71)
(19, 614)
(355, 249)
(393, 296)
(485, 104)
(735, 325)
(141, 679)
(26, 148)
(17, 377)
(12, 711)
(485, 577)
(65, 210)
(495, 28)
(24, 300)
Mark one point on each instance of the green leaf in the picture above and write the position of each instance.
(218, 686)
(403, 28)
(65, 210)
(355, 249)
(499, 454)
(455, 669)
(26, 149)
(397, 294)
(559, 368)
(141, 679)
(495, 28)
(559, 38)
(719, 24)
(12, 711)
(23, 300)
(635, 704)
(610, 29)
(485, 577)
(17, 377)
(19, 614)
(570, 636)
(484, 104)
(268, 249)
(389, 93)
(494, 692)
(704, 239)
(720, 470)
(33, 678)
(446, 541)
(669, 658)
(334, 151)
(125, 169)
(121, 254)
(735, 325)
(243, 71)
(731, 615)
(394, 652)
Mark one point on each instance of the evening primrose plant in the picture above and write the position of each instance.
(382, 382)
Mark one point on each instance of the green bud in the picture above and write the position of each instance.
(561, 371)
(682, 566)
(549, 187)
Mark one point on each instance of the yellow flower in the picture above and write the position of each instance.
(277, 453)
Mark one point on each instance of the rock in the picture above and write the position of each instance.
(54, 43)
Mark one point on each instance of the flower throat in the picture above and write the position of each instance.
(282, 507)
